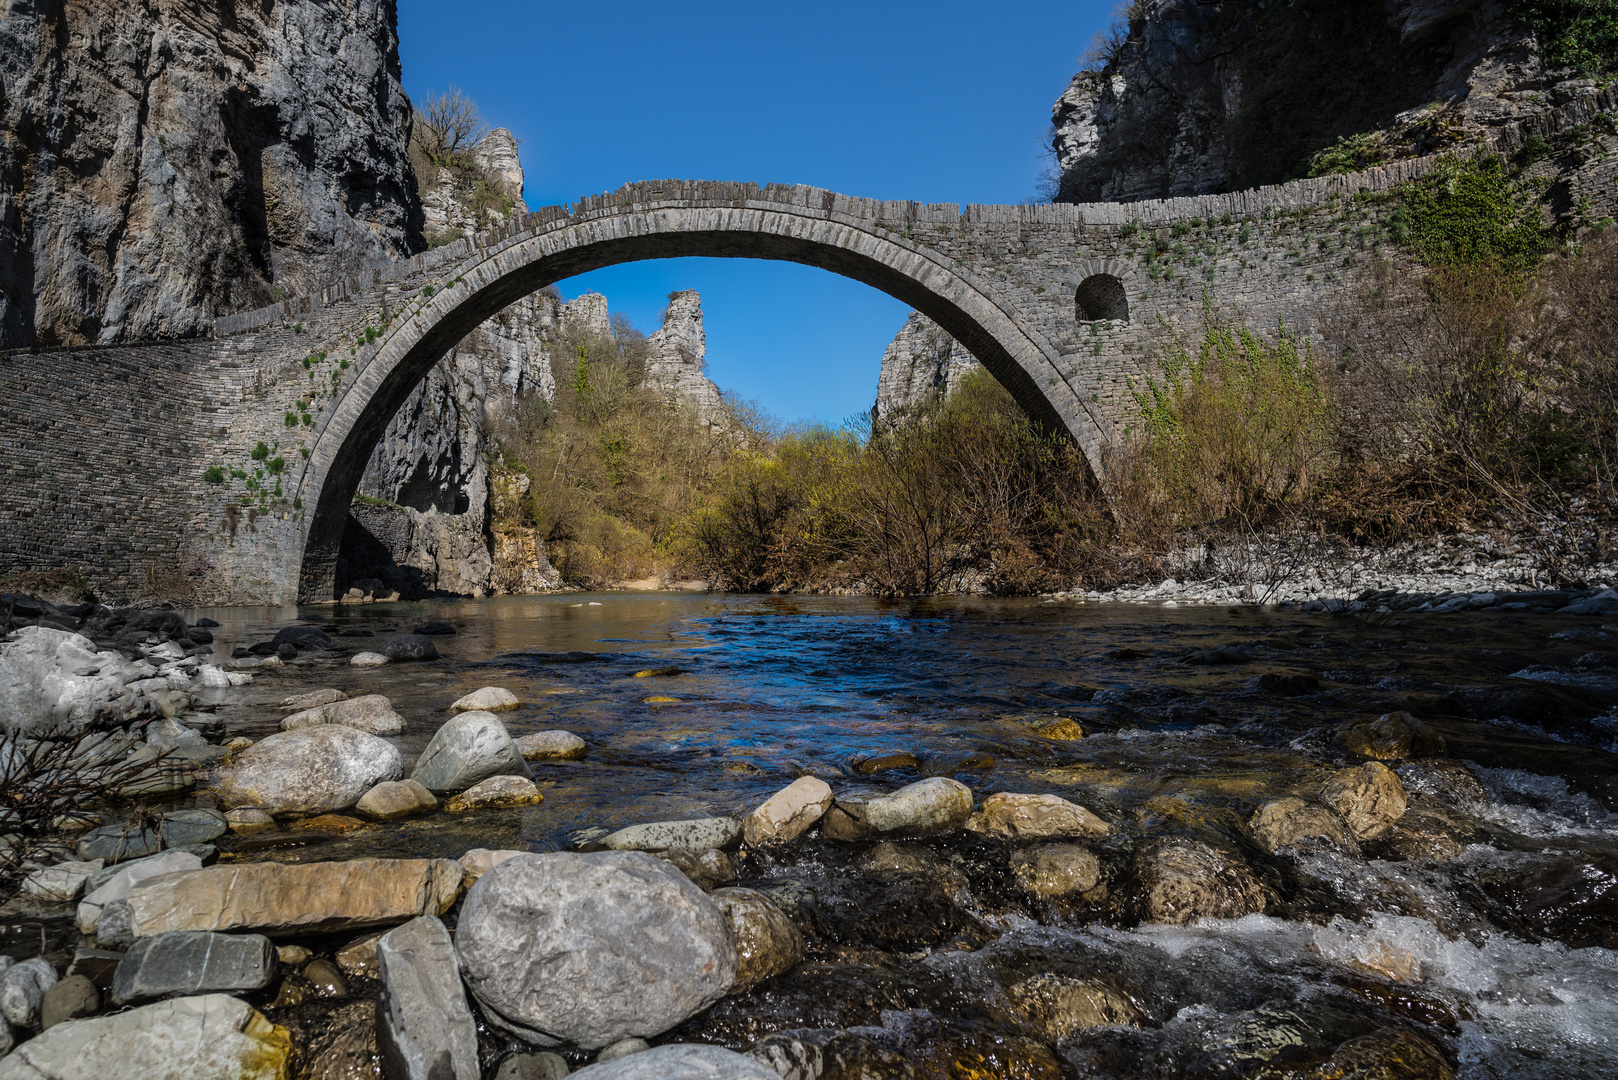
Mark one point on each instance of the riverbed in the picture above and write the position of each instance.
(1481, 928)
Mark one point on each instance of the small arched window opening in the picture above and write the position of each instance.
(1101, 296)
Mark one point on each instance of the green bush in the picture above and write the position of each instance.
(1580, 34)
(1469, 211)
(260, 452)
(213, 474)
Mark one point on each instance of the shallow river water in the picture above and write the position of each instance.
(1484, 928)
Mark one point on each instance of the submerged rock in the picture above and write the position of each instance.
(308, 771)
(1052, 871)
(1185, 880)
(1034, 817)
(1059, 1007)
(707, 869)
(425, 1029)
(928, 807)
(186, 1038)
(305, 897)
(410, 647)
(312, 700)
(1393, 737)
(470, 747)
(767, 943)
(591, 949)
(1369, 798)
(1293, 823)
(789, 813)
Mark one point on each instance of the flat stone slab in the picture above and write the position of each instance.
(425, 1029)
(700, 834)
(186, 962)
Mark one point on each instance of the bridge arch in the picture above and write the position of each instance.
(639, 224)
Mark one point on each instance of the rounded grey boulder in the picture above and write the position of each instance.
(410, 647)
(591, 949)
(470, 747)
(680, 1061)
(309, 771)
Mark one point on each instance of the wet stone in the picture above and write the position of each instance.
(1369, 798)
(679, 1062)
(870, 766)
(176, 964)
(1053, 871)
(551, 746)
(1059, 1007)
(623, 1048)
(392, 800)
(496, 791)
(1393, 737)
(1293, 823)
(767, 943)
(540, 1066)
(928, 807)
(1182, 881)
(700, 834)
(407, 647)
(327, 980)
(708, 870)
(789, 813)
(1030, 817)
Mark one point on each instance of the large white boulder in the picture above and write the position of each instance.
(308, 771)
(54, 681)
(592, 949)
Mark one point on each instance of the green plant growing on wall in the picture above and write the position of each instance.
(213, 474)
(1469, 211)
(260, 452)
(276, 465)
(1580, 34)
(292, 419)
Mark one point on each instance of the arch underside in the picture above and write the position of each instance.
(347, 463)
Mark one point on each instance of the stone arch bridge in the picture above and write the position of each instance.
(225, 466)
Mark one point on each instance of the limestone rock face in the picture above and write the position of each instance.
(311, 771)
(591, 949)
(1201, 98)
(922, 365)
(163, 163)
(294, 897)
(679, 354)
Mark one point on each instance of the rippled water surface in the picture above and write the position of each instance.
(1507, 946)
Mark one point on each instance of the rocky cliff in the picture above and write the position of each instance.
(167, 161)
(679, 356)
(923, 364)
(1201, 96)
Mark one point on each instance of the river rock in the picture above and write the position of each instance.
(128, 877)
(309, 771)
(699, 834)
(479, 861)
(1186, 880)
(248, 820)
(551, 746)
(285, 898)
(1059, 1006)
(1369, 798)
(1293, 823)
(1051, 871)
(767, 944)
(176, 829)
(680, 1061)
(1393, 737)
(372, 713)
(590, 949)
(63, 882)
(311, 638)
(326, 978)
(425, 1029)
(623, 1048)
(357, 959)
(487, 699)
(496, 791)
(928, 807)
(1029, 817)
(469, 747)
(367, 659)
(789, 813)
(395, 799)
(314, 699)
(22, 991)
(189, 1038)
(541, 1066)
(708, 870)
(186, 962)
(73, 998)
(46, 685)
(410, 647)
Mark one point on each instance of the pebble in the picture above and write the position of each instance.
(326, 978)
(623, 1048)
(247, 820)
(541, 1066)
(294, 956)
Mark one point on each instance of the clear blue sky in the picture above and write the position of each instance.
(939, 102)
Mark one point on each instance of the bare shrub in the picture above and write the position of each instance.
(451, 124)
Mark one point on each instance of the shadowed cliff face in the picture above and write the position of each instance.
(1218, 95)
(166, 161)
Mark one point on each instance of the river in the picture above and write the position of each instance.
(1484, 927)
